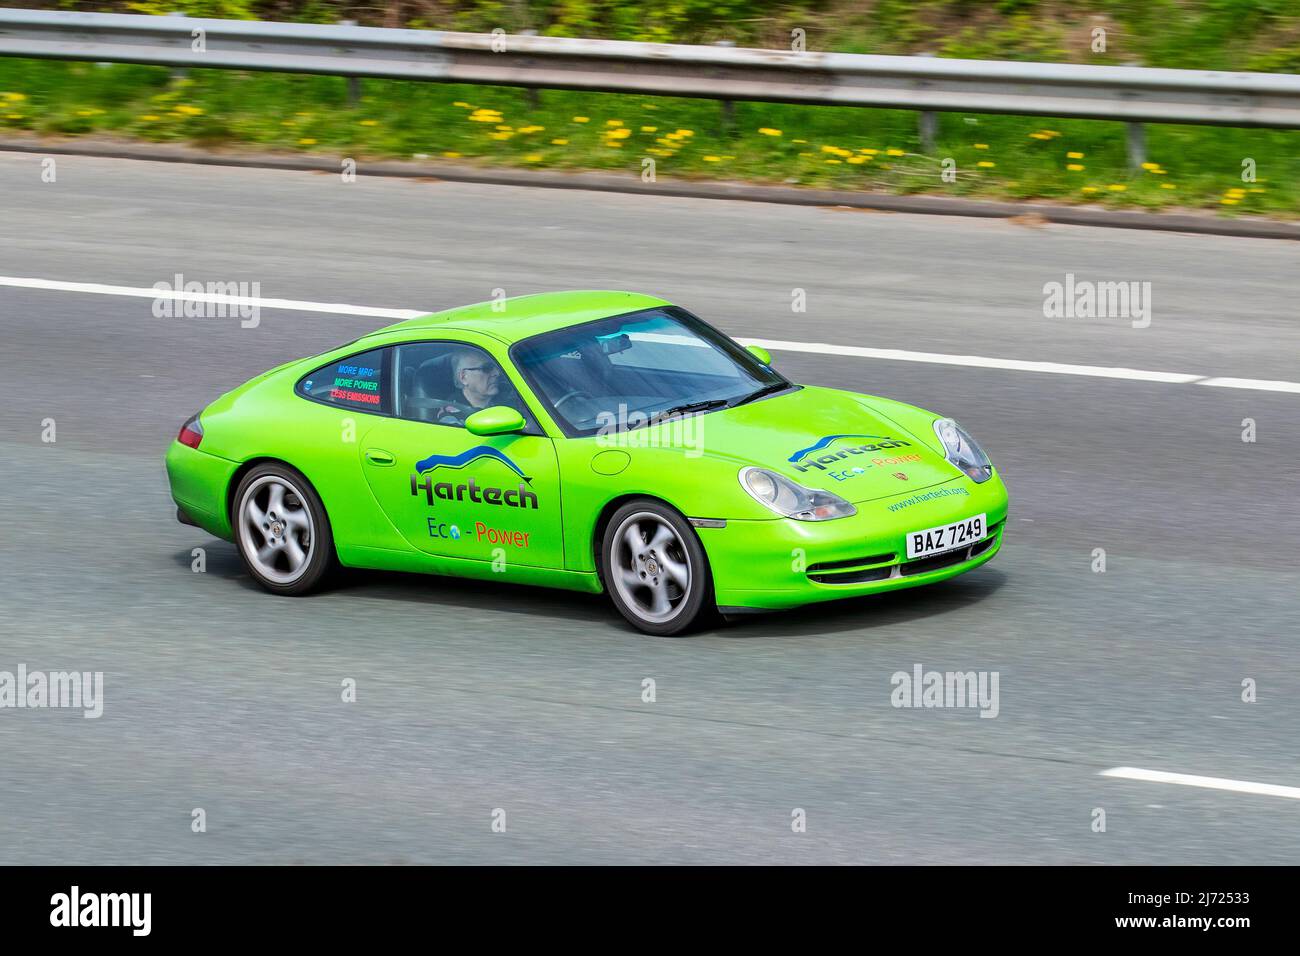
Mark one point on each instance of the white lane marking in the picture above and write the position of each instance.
(1256, 383)
(95, 288)
(975, 361)
(1209, 783)
(816, 348)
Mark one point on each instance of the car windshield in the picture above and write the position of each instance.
(636, 369)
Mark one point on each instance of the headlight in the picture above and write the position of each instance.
(960, 449)
(785, 497)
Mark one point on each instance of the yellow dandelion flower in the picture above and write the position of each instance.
(1074, 155)
(1089, 189)
(1039, 136)
(981, 145)
(685, 132)
(15, 97)
(858, 160)
(835, 162)
(369, 123)
(149, 118)
(306, 142)
(533, 158)
(451, 155)
(1117, 187)
(582, 119)
(613, 122)
(1150, 166)
(462, 105)
(559, 142)
(985, 164)
(713, 159)
(894, 152)
(1168, 186)
(768, 131)
(1229, 201)
(505, 129)
(1074, 167)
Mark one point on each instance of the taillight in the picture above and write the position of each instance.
(191, 432)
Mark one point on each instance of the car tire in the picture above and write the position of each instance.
(281, 530)
(655, 569)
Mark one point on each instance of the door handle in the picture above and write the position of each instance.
(377, 456)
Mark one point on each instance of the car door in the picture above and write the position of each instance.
(449, 492)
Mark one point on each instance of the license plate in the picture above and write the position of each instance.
(946, 537)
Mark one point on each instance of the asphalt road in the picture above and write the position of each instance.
(473, 697)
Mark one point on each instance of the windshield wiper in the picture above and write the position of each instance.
(690, 407)
(765, 390)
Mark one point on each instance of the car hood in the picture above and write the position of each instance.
(823, 438)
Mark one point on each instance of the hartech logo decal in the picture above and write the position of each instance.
(803, 463)
(519, 497)
(466, 457)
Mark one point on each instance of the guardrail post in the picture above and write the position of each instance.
(354, 82)
(929, 126)
(1137, 146)
(531, 92)
(728, 106)
(927, 122)
(178, 74)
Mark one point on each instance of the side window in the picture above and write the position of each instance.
(446, 382)
(359, 382)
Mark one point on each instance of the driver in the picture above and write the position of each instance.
(478, 381)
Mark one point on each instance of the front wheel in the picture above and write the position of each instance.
(281, 530)
(656, 571)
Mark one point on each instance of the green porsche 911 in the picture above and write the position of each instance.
(597, 441)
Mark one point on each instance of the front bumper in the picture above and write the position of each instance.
(782, 563)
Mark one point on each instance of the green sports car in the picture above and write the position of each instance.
(598, 441)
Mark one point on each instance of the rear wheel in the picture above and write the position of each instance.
(656, 571)
(281, 530)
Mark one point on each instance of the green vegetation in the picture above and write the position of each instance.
(995, 156)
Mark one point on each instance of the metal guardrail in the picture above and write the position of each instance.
(1127, 94)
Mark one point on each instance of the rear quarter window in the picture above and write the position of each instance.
(358, 382)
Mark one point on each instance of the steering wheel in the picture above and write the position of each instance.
(568, 395)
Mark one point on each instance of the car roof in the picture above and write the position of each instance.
(514, 319)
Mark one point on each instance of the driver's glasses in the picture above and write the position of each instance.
(491, 371)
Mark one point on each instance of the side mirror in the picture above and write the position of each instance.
(760, 353)
(497, 420)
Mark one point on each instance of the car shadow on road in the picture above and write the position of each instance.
(850, 614)
(468, 593)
